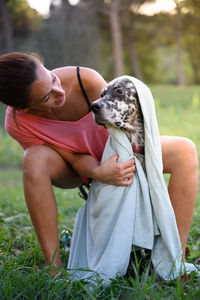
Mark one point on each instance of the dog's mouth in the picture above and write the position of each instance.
(102, 123)
(107, 124)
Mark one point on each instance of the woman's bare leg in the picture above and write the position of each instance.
(43, 167)
(181, 161)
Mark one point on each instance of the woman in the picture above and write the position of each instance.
(49, 116)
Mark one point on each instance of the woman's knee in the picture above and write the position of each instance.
(44, 162)
(179, 153)
(186, 153)
(36, 161)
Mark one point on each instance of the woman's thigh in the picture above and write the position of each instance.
(42, 161)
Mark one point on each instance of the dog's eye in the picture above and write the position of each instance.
(119, 91)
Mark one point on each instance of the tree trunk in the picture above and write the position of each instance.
(116, 37)
(134, 61)
(180, 70)
(6, 24)
(135, 64)
(179, 48)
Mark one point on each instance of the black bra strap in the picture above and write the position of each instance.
(82, 88)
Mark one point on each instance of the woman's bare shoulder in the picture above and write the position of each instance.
(92, 81)
(65, 72)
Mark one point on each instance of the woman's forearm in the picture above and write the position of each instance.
(86, 165)
(111, 171)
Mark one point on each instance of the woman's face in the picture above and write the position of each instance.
(47, 93)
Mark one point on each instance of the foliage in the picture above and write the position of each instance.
(75, 38)
(23, 21)
(191, 21)
(142, 31)
(81, 34)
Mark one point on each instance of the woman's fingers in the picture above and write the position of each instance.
(128, 181)
(117, 173)
(127, 167)
(125, 172)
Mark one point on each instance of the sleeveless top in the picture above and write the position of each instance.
(82, 136)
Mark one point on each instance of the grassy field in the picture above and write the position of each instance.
(22, 275)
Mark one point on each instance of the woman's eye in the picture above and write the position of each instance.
(54, 78)
(47, 98)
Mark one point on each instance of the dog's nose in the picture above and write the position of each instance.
(96, 106)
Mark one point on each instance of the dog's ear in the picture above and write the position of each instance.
(132, 88)
(129, 85)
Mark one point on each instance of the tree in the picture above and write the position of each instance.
(179, 47)
(191, 27)
(70, 35)
(19, 22)
(116, 33)
(132, 47)
(129, 20)
(120, 15)
(6, 26)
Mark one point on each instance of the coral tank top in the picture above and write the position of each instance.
(82, 136)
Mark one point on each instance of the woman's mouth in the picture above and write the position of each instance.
(60, 101)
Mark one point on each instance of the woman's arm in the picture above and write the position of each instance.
(111, 171)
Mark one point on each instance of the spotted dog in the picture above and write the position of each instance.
(119, 107)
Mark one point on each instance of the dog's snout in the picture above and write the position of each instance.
(96, 106)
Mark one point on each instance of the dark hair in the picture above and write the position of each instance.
(17, 73)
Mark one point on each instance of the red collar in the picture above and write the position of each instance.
(139, 149)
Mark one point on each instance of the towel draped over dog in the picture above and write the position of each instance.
(117, 217)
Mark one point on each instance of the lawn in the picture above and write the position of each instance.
(22, 275)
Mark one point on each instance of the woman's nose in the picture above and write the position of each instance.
(59, 91)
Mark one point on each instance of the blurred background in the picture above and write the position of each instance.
(155, 41)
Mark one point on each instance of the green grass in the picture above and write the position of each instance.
(22, 275)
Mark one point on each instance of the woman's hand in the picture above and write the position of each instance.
(114, 172)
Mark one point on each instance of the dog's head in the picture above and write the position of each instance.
(118, 105)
